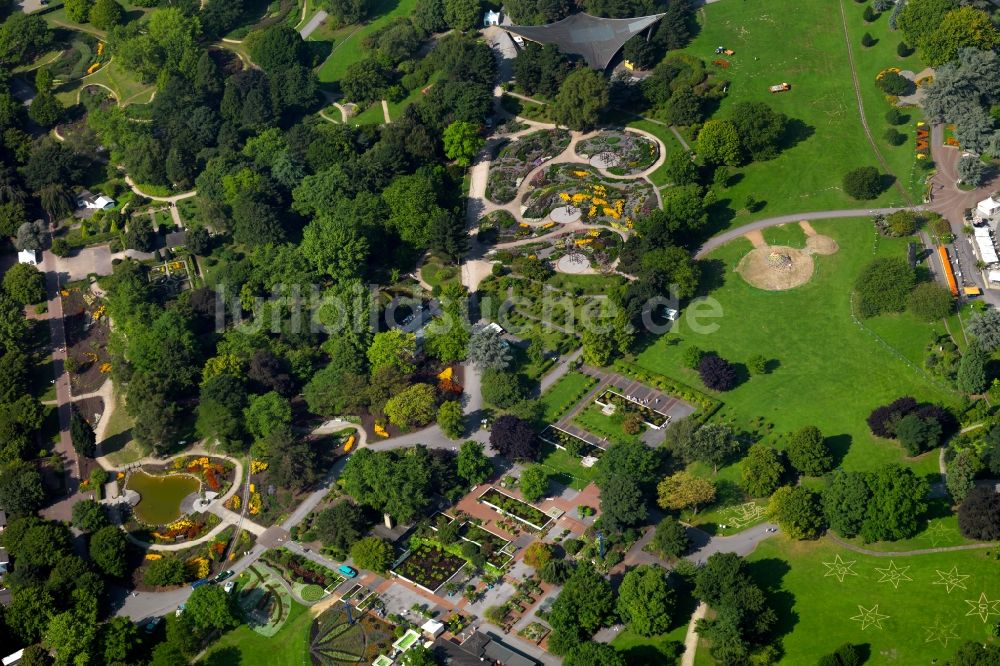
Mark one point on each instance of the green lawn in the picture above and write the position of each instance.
(371, 116)
(870, 61)
(243, 645)
(789, 235)
(396, 108)
(593, 420)
(663, 133)
(566, 467)
(127, 88)
(348, 49)
(781, 42)
(830, 372)
(565, 393)
(922, 621)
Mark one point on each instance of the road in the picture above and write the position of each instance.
(64, 398)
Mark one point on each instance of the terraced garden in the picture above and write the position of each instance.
(334, 640)
(516, 159)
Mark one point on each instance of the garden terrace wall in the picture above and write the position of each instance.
(650, 416)
(479, 535)
(508, 506)
(705, 405)
(556, 436)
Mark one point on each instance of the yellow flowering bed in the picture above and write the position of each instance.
(380, 430)
(198, 567)
(349, 444)
(105, 368)
(257, 466)
(234, 503)
(152, 557)
(255, 503)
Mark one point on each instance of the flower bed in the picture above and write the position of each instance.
(429, 567)
(601, 201)
(296, 569)
(649, 416)
(515, 508)
(516, 159)
(213, 471)
(335, 640)
(625, 153)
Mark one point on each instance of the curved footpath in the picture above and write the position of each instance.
(907, 553)
(715, 242)
(171, 199)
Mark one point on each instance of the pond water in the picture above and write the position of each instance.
(161, 496)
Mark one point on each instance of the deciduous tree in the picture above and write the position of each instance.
(683, 490)
(761, 470)
(372, 553)
(645, 600)
(582, 97)
(797, 510)
(807, 452)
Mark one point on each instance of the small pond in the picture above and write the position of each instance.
(160, 496)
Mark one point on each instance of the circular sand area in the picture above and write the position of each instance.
(776, 267)
(565, 214)
(821, 244)
(573, 263)
(605, 160)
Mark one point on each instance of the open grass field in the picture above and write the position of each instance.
(243, 645)
(593, 420)
(566, 467)
(906, 610)
(348, 50)
(829, 371)
(565, 393)
(779, 42)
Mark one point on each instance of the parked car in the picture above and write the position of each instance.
(223, 575)
(228, 587)
(350, 572)
(198, 583)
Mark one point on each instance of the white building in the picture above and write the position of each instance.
(987, 208)
(99, 202)
(491, 18)
(432, 628)
(33, 257)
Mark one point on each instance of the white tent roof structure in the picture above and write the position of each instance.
(595, 39)
(988, 207)
(987, 251)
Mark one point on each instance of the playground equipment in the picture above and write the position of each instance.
(781, 87)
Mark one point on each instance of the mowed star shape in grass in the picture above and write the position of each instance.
(839, 568)
(893, 574)
(951, 579)
(941, 632)
(983, 607)
(936, 534)
(869, 617)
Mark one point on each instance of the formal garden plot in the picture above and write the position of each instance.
(334, 640)
(429, 566)
(262, 599)
(174, 275)
(516, 159)
(619, 152)
(295, 568)
(493, 547)
(568, 442)
(600, 200)
(515, 508)
(614, 427)
(617, 401)
(87, 332)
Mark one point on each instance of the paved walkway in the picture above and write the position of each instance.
(314, 23)
(171, 199)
